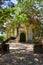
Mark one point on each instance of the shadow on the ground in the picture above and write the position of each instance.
(21, 57)
(38, 48)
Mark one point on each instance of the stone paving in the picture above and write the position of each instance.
(21, 56)
(21, 46)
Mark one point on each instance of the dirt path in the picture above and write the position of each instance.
(21, 57)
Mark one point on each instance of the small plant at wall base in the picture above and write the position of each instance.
(2, 38)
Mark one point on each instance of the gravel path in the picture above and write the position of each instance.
(21, 57)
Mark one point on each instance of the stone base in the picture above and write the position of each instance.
(5, 48)
(38, 48)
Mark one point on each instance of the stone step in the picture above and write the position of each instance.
(20, 46)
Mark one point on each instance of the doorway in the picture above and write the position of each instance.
(22, 37)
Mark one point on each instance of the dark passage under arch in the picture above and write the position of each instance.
(22, 37)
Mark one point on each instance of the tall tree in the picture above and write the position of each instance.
(21, 11)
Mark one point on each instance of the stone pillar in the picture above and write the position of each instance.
(27, 34)
(15, 34)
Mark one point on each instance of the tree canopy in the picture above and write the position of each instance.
(18, 13)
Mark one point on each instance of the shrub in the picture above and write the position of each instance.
(2, 38)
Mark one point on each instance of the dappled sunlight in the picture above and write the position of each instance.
(36, 59)
(36, 55)
(30, 62)
(21, 54)
(21, 57)
(21, 32)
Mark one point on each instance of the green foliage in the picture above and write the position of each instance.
(20, 11)
(23, 18)
(5, 14)
(19, 18)
(2, 38)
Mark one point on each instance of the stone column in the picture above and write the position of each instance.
(27, 34)
(15, 34)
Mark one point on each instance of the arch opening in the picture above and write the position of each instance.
(22, 37)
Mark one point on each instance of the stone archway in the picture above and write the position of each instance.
(22, 37)
(31, 33)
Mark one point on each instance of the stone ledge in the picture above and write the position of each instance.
(38, 48)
